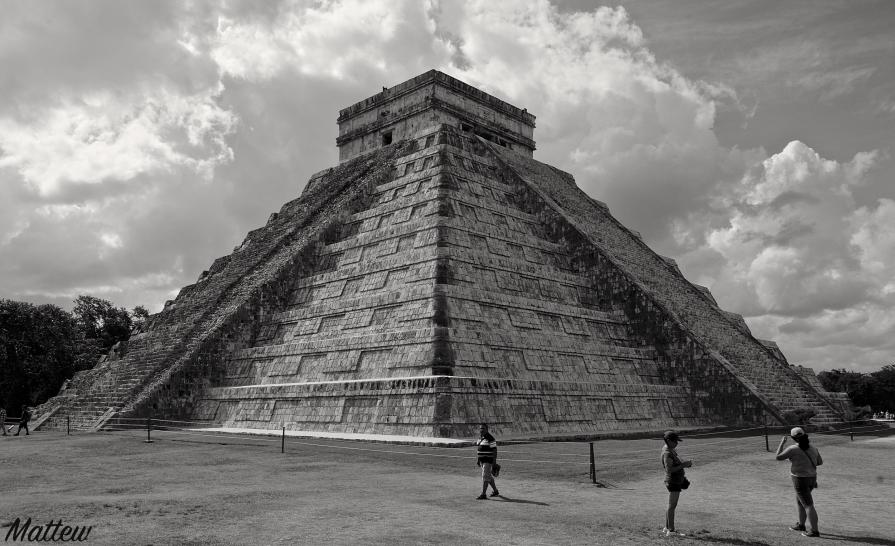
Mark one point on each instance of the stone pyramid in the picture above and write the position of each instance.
(440, 277)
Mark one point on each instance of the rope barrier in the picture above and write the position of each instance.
(223, 436)
(154, 420)
(413, 453)
(847, 433)
(244, 438)
(689, 450)
(139, 422)
(209, 435)
(425, 451)
(522, 452)
(685, 453)
(133, 425)
(175, 429)
(719, 432)
(351, 448)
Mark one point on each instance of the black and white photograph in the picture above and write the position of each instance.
(447, 272)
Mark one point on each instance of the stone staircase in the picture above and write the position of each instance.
(751, 360)
(216, 313)
(840, 400)
(108, 386)
(768, 376)
(788, 396)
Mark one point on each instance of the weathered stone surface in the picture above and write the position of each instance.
(435, 283)
(427, 100)
(657, 299)
(837, 399)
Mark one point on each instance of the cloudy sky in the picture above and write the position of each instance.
(751, 140)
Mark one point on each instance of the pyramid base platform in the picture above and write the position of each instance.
(453, 407)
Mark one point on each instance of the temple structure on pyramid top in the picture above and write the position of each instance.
(439, 277)
(432, 99)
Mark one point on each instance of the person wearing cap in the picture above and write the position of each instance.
(675, 479)
(804, 459)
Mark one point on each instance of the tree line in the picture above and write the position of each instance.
(43, 345)
(875, 389)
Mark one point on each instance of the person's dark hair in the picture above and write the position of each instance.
(669, 436)
(803, 442)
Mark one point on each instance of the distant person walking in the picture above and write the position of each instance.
(486, 451)
(3, 418)
(804, 459)
(23, 420)
(675, 479)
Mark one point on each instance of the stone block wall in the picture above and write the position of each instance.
(442, 282)
(663, 305)
(362, 321)
(403, 111)
(178, 353)
(380, 406)
(521, 310)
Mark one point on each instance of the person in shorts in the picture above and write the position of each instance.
(675, 479)
(486, 452)
(804, 460)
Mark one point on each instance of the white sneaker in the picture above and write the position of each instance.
(672, 533)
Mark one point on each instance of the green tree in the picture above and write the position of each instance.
(876, 389)
(102, 321)
(839, 380)
(40, 346)
(43, 345)
(884, 395)
(139, 314)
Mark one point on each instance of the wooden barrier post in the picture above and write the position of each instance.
(148, 430)
(68, 425)
(283, 442)
(851, 431)
(767, 445)
(593, 467)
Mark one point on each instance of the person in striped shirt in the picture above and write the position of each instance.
(486, 450)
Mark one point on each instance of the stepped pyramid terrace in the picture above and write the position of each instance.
(436, 278)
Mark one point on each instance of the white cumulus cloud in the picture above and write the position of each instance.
(787, 247)
(192, 122)
(104, 136)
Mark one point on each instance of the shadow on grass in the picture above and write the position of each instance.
(604, 484)
(728, 540)
(521, 501)
(859, 540)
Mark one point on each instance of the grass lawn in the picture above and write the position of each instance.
(192, 489)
